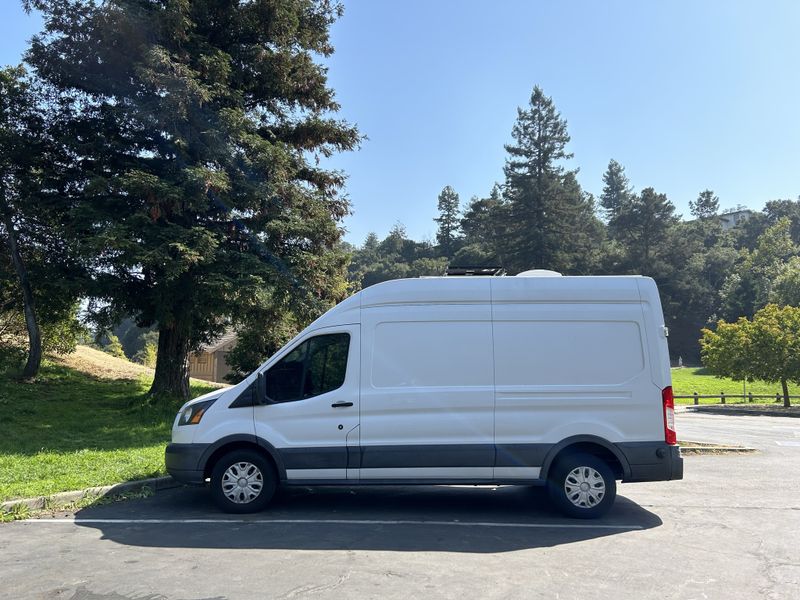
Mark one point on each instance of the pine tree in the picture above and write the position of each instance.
(617, 192)
(706, 205)
(551, 225)
(197, 128)
(484, 225)
(448, 221)
(643, 226)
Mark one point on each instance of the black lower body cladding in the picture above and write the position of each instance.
(642, 461)
(185, 462)
(652, 461)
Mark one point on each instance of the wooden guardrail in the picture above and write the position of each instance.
(722, 396)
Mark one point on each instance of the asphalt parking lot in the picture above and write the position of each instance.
(728, 530)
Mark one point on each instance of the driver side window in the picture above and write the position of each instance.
(315, 367)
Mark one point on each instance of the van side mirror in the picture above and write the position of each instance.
(261, 389)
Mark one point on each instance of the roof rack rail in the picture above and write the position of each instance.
(475, 271)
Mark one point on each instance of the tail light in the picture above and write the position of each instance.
(670, 437)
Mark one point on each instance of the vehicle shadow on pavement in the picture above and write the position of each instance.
(419, 518)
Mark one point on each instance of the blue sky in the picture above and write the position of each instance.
(686, 95)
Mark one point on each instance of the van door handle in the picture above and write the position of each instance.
(341, 404)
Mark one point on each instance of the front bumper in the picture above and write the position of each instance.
(186, 462)
(652, 461)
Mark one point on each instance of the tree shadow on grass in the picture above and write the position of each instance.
(66, 410)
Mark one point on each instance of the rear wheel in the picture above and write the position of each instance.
(582, 486)
(242, 481)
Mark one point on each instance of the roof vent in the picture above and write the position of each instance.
(539, 273)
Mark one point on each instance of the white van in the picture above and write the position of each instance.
(526, 380)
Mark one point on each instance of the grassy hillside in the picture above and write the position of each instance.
(84, 422)
(687, 381)
(102, 365)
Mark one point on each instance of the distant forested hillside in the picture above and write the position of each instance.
(708, 265)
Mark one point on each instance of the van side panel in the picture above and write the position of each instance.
(427, 395)
(570, 367)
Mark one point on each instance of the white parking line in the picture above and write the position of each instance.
(81, 521)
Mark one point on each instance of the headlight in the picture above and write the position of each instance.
(192, 414)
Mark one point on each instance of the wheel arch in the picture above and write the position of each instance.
(241, 442)
(590, 444)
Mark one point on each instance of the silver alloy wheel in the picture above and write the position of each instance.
(585, 487)
(242, 482)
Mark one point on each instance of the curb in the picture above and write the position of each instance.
(711, 409)
(66, 498)
(693, 450)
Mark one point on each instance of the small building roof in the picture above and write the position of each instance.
(219, 343)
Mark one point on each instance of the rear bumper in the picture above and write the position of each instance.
(652, 461)
(185, 462)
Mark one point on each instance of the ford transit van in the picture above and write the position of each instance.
(554, 381)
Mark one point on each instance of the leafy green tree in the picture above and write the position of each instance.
(114, 347)
(775, 210)
(133, 338)
(21, 127)
(197, 129)
(689, 275)
(767, 348)
(61, 332)
(706, 205)
(551, 222)
(448, 220)
(146, 345)
(394, 257)
(725, 349)
(785, 289)
(39, 279)
(255, 344)
(428, 267)
(148, 355)
(749, 286)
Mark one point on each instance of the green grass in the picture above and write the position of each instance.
(687, 381)
(70, 430)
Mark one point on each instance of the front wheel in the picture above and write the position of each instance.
(242, 481)
(582, 486)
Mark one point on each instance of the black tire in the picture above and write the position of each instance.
(582, 503)
(250, 465)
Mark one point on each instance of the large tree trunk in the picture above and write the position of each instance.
(172, 363)
(34, 336)
(786, 402)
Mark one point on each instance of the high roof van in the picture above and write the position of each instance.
(553, 381)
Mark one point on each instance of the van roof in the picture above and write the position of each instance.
(503, 289)
(478, 289)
